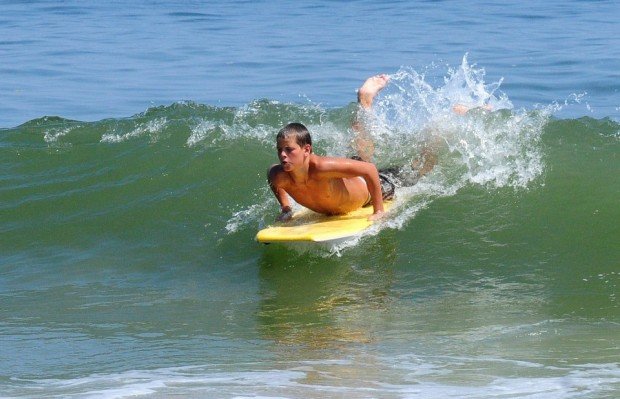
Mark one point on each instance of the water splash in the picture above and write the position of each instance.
(151, 128)
(470, 125)
(251, 215)
(52, 134)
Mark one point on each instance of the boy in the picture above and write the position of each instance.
(325, 185)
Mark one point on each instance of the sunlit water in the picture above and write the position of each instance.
(128, 264)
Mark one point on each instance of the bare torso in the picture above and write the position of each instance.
(324, 192)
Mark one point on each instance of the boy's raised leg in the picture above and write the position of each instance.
(369, 90)
(365, 97)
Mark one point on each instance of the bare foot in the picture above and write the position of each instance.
(373, 85)
(461, 109)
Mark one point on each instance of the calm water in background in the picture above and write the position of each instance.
(133, 142)
(91, 61)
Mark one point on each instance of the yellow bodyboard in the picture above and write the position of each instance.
(310, 226)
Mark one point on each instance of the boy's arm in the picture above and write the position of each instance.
(285, 206)
(374, 187)
(344, 167)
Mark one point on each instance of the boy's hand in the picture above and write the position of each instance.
(376, 216)
(285, 216)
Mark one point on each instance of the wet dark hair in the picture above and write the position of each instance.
(301, 133)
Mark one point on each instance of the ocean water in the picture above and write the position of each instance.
(134, 141)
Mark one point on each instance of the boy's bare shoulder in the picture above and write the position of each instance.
(276, 173)
(342, 165)
(323, 164)
(275, 169)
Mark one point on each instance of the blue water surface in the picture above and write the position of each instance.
(128, 264)
(90, 60)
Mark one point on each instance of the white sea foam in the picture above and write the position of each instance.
(496, 148)
(404, 376)
(202, 130)
(53, 134)
(151, 128)
(251, 215)
(215, 132)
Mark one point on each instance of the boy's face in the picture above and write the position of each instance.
(291, 154)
